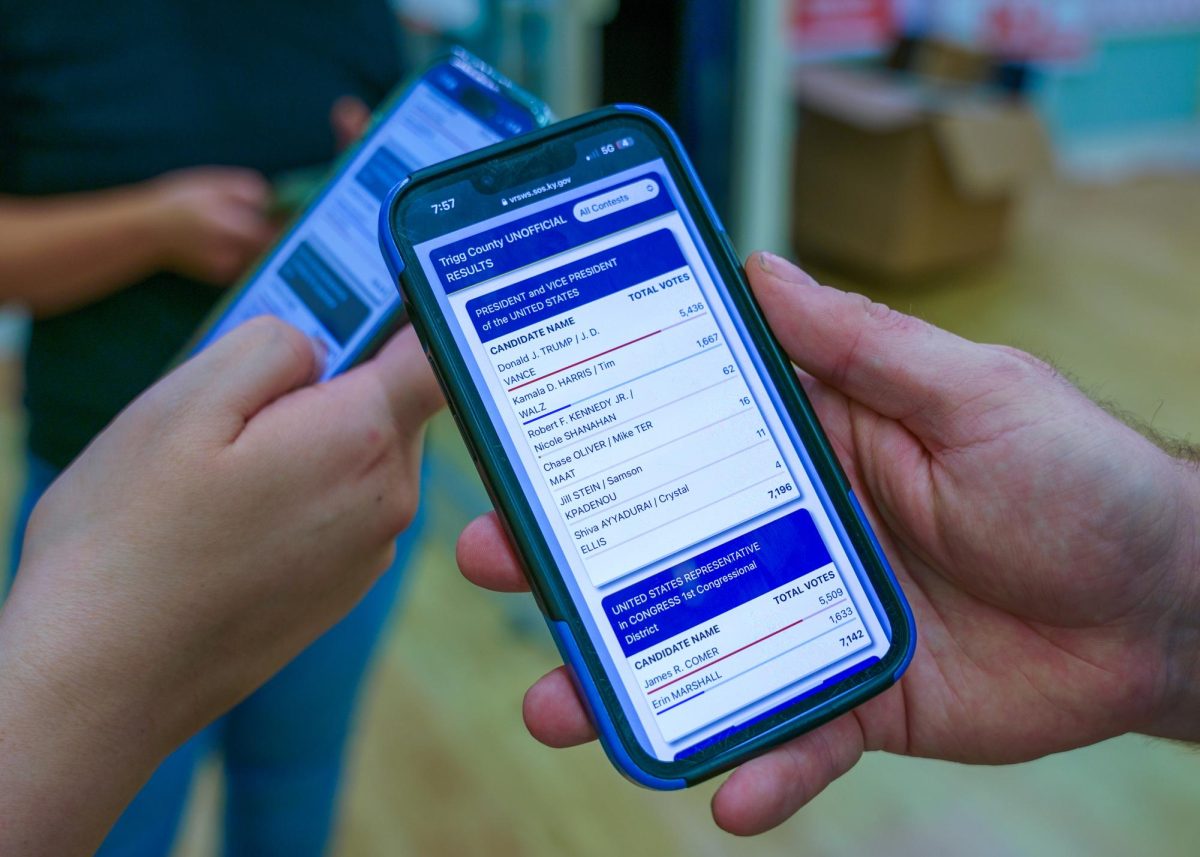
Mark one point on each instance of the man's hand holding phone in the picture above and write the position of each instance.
(1049, 551)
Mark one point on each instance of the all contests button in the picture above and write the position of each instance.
(698, 590)
(616, 200)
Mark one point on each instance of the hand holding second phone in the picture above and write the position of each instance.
(210, 222)
(222, 522)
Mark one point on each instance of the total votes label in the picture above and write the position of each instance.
(634, 411)
(733, 624)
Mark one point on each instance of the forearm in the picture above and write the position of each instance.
(70, 758)
(57, 253)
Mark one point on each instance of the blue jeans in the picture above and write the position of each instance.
(282, 747)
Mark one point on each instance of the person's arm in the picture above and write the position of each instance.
(61, 252)
(70, 757)
(1051, 554)
(226, 519)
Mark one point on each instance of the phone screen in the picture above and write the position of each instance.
(326, 276)
(676, 495)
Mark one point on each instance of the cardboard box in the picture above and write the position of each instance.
(901, 178)
(942, 60)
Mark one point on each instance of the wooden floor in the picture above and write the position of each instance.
(1106, 283)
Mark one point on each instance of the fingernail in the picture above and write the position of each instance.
(320, 356)
(779, 267)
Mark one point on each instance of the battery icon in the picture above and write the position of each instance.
(624, 142)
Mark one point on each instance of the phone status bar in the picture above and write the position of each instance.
(609, 148)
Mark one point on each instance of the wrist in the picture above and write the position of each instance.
(1178, 715)
(152, 219)
(60, 676)
(75, 745)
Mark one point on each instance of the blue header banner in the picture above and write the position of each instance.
(525, 240)
(711, 583)
(561, 290)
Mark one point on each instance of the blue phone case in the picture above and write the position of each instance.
(903, 626)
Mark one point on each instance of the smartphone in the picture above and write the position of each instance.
(325, 276)
(702, 562)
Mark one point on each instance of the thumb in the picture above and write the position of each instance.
(404, 374)
(897, 365)
(247, 369)
(247, 187)
(766, 791)
(349, 118)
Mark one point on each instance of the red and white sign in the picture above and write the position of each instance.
(1047, 30)
(829, 27)
(1036, 30)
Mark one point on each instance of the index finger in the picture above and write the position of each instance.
(895, 364)
(486, 557)
(243, 372)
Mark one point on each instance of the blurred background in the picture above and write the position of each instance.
(1018, 172)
